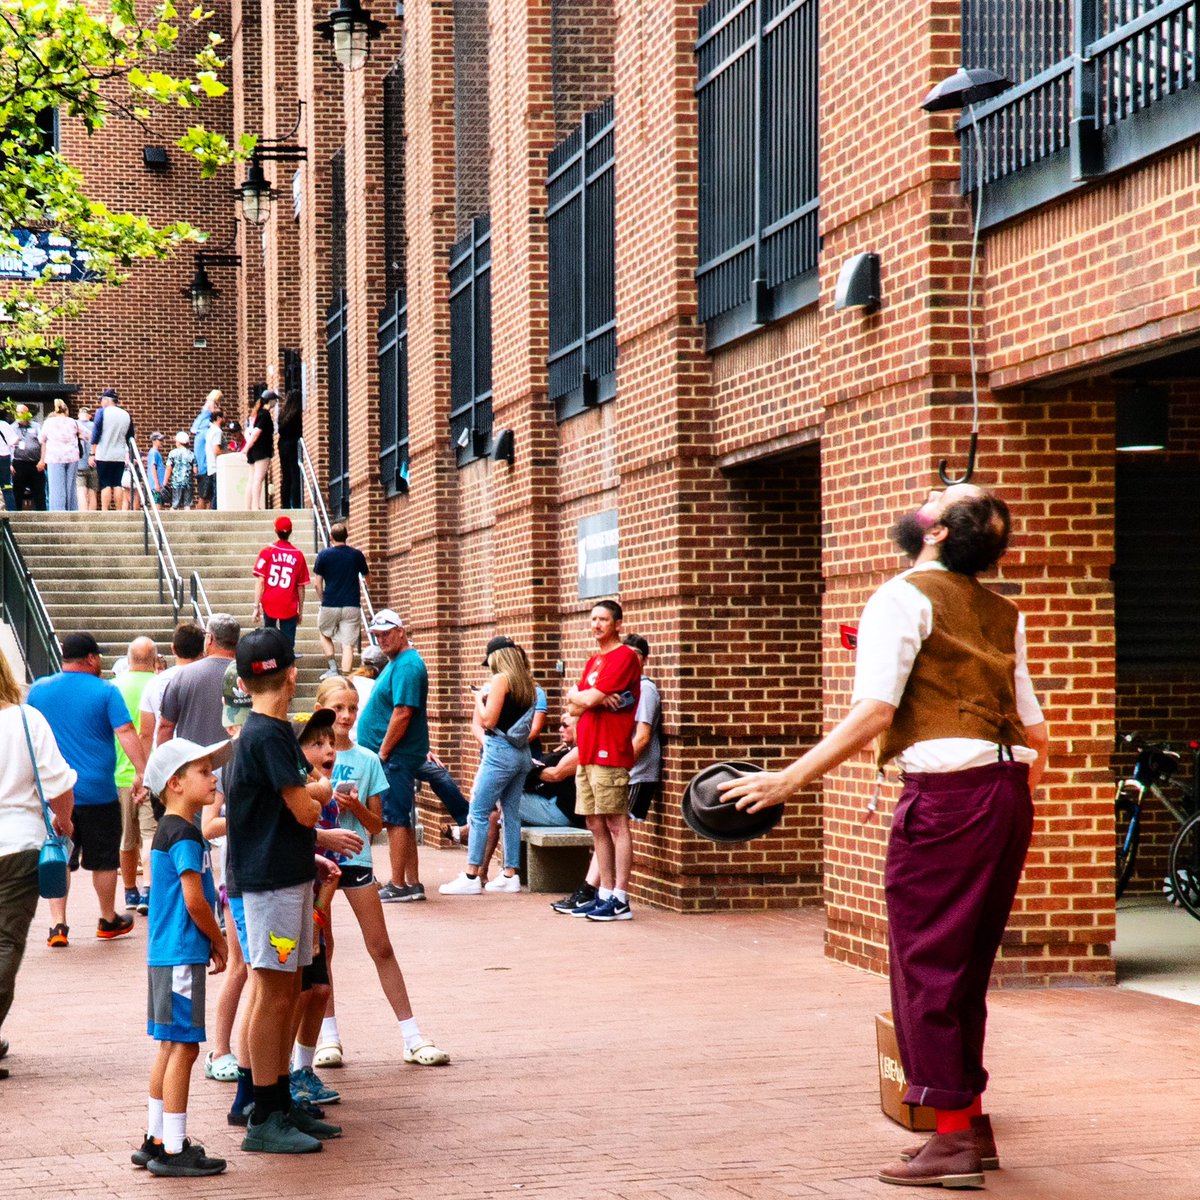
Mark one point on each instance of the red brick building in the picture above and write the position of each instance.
(558, 281)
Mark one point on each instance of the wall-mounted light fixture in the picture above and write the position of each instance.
(155, 158)
(202, 293)
(503, 449)
(858, 283)
(256, 193)
(1143, 419)
(351, 29)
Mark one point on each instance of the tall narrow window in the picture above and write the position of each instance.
(336, 348)
(580, 215)
(471, 343)
(757, 99)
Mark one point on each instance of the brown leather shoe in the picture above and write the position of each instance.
(981, 1126)
(949, 1160)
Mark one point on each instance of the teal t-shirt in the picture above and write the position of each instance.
(362, 768)
(404, 681)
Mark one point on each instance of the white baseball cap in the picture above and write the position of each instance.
(385, 619)
(173, 755)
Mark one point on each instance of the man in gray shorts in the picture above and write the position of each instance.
(339, 622)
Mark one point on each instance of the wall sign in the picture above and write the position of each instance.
(35, 254)
(597, 550)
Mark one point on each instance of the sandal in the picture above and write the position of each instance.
(426, 1054)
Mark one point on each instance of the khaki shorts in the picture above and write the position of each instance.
(137, 821)
(341, 626)
(601, 791)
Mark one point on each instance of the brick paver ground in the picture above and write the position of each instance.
(663, 1059)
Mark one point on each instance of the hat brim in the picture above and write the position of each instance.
(320, 720)
(753, 825)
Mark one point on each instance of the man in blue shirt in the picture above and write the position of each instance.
(339, 621)
(84, 712)
(393, 724)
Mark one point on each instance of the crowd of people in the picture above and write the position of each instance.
(65, 463)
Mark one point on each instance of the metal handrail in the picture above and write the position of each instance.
(321, 528)
(199, 596)
(25, 611)
(152, 523)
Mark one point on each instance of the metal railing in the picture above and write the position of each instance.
(321, 526)
(152, 526)
(25, 612)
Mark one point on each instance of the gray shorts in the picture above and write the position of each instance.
(176, 1003)
(279, 928)
(342, 626)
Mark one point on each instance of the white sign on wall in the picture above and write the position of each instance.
(597, 549)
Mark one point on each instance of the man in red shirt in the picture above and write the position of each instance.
(281, 575)
(605, 703)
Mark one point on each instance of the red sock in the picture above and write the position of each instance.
(954, 1120)
(976, 1108)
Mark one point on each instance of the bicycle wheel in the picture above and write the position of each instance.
(1129, 832)
(1183, 867)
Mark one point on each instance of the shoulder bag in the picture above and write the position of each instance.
(56, 850)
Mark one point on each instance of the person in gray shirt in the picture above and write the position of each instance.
(645, 774)
(194, 701)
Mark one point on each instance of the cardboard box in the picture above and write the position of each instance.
(892, 1083)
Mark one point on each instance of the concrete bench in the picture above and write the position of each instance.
(554, 858)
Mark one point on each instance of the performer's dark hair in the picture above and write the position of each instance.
(977, 530)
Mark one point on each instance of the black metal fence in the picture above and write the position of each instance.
(758, 113)
(393, 395)
(339, 417)
(471, 342)
(393, 179)
(580, 216)
(1080, 68)
(24, 612)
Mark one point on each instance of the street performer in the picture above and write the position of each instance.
(941, 680)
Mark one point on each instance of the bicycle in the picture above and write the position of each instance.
(1182, 884)
(1156, 763)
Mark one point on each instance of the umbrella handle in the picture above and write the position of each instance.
(965, 477)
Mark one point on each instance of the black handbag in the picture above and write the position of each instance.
(53, 862)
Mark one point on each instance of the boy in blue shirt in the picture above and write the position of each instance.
(183, 938)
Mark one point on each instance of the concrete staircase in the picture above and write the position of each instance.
(93, 574)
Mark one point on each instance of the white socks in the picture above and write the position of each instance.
(410, 1032)
(303, 1057)
(620, 895)
(329, 1031)
(603, 893)
(154, 1119)
(174, 1131)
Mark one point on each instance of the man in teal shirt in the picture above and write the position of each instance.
(394, 725)
(137, 821)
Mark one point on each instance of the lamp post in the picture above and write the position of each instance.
(351, 29)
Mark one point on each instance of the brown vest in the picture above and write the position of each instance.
(963, 682)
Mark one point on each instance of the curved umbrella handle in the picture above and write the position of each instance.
(965, 477)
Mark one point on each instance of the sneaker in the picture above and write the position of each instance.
(58, 936)
(585, 908)
(191, 1160)
(304, 1121)
(277, 1135)
(611, 909)
(416, 891)
(462, 885)
(504, 883)
(583, 894)
(328, 1054)
(390, 893)
(143, 904)
(223, 1069)
(132, 899)
(306, 1085)
(240, 1116)
(148, 1150)
(120, 924)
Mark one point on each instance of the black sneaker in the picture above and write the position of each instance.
(583, 894)
(390, 893)
(278, 1135)
(416, 891)
(147, 1152)
(314, 1127)
(191, 1160)
(240, 1116)
(120, 924)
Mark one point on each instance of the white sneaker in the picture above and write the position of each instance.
(462, 885)
(504, 883)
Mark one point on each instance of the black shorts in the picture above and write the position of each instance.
(641, 797)
(355, 877)
(109, 474)
(97, 837)
(317, 972)
(204, 486)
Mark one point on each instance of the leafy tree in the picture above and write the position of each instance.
(89, 65)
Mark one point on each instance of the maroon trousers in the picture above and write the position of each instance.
(954, 860)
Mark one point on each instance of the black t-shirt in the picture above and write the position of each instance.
(562, 793)
(340, 566)
(268, 847)
(264, 444)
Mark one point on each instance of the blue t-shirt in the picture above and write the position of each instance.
(404, 681)
(340, 567)
(156, 469)
(200, 425)
(84, 712)
(174, 939)
(363, 768)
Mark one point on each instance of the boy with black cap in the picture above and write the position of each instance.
(271, 816)
(183, 938)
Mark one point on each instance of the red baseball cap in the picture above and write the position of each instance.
(283, 524)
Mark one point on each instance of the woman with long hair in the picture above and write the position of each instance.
(358, 784)
(60, 458)
(260, 446)
(22, 826)
(504, 709)
(290, 430)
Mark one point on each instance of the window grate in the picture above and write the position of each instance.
(393, 179)
(393, 395)
(580, 196)
(339, 423)
(471, 343)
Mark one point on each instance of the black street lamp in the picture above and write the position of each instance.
(256, 194)
(351, 29)
(201, 291)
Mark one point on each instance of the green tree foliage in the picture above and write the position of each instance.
(91, 66)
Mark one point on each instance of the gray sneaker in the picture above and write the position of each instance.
(277, 1135)
(412, 891)
(390, 893)
(313, 1126)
